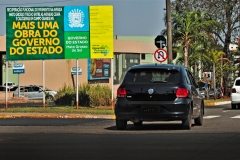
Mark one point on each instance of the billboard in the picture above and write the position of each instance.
(69, 32)
(99, 68)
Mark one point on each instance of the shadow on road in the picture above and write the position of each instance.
(148, 126)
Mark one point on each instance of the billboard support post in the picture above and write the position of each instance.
(43, 76)
(112, 85)
(6, 91)
(77, 84)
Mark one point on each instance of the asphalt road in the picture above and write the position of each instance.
(218, 138)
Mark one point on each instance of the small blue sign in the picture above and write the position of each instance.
(74, 71)
(18, 71)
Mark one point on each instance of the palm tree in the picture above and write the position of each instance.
(189, 27)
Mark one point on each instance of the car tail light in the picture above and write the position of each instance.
(182, 92)
(234, 90)
(121, 92)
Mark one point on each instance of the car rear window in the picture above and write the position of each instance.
(237, 83)
(152, 76)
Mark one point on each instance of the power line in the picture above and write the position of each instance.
(35, 3)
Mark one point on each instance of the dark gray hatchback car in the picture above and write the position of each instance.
(158, 92)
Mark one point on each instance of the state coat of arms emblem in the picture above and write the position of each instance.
(76, 18)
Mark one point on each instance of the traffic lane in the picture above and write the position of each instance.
(218, 138)
(225, 109)
(216, 119)
(120, 145)
(222, 124)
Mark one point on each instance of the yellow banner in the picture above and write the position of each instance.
(101, 31)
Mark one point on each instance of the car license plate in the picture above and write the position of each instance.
(150, 109)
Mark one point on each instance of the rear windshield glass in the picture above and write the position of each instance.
(237, 83)
(152, 76)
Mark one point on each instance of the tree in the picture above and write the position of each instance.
(226, 13)
(189, 27)
(213, 56)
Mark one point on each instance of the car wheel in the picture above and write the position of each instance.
(187, 123)
(199, 121)
(138, 123)
(121, 124)
(233, 106)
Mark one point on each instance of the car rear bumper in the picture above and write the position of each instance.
(146, 111)
(235, 98)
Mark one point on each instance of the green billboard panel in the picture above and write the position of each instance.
(76, 45)
(34, 33)
(70, 32)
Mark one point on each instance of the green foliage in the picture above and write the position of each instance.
(88, 95)
(224, 32)
(65, 96)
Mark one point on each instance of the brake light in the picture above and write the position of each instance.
(121, 92)
(181, 92)
(234, 90)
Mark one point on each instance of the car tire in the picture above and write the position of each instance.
(234, 106)
(121, 124)
(199, 121)
(187, 123)
(138, 123)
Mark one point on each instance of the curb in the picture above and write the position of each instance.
(217, 103)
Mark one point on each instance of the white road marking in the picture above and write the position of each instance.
(210, 117)
(236, 116)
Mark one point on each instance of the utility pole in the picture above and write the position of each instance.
(169, 31)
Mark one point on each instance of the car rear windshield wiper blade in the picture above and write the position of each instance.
(159, 81)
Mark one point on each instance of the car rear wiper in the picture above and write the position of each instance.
(159, 81)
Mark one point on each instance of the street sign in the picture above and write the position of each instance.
(18, 65)
(160, 41)
(18, 68)
(161, 55)
(207, 75)
(74, 71)
(18, 71)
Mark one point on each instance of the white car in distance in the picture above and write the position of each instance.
(34, 92)
(235, 94)
(9, 85)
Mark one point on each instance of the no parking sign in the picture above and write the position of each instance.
(161, 55)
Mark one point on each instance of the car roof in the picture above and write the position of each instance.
(157, 65)
(30, 86)
(237, 78)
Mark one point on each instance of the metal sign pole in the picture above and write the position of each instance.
(43, 75)
(6, 92)
(18, 85)
(77, 84)
(112, 84)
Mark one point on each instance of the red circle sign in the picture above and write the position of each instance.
(160, 55)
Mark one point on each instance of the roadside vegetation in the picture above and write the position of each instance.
(89, 95)
(60, 109)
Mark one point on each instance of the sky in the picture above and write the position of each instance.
(131, 17)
